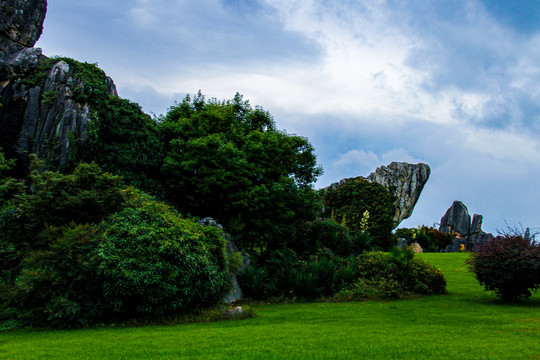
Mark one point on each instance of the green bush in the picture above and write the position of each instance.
(394, 275)
(254, 282)
(134, 257)
(327, 234)
(60, 286)
(155, 262)
(320, 276)
(348, 202)
(509, 265)
(54, 199)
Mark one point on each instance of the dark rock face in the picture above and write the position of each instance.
(44, 120)
(21, 24)
(457, 221)
(21, 21)
(405, 182)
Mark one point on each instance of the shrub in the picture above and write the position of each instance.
(394, 275)
(320, 234)
(509, 265)
(254, 282)
(155, 262)
(54, 199)
(60, 286)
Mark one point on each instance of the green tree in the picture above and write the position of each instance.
(8, 185)
(54, 199)
(227, 160)
(347, 203)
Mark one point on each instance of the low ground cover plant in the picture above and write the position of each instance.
(509, 265)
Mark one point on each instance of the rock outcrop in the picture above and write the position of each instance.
(235, 292)
(39, 112)
(457, 221)
(21, 24)
(405, 182)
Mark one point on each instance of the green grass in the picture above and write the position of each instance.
(468, 323)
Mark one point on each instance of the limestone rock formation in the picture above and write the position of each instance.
(45, 118)
(405, 182)
(21, 24)
(39, 113)
(457, 221)
(21, 21)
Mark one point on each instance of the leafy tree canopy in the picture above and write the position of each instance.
(348, 202)
(227, 160)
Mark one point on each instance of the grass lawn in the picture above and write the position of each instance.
(468, 323)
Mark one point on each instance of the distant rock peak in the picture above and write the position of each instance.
(457, 221)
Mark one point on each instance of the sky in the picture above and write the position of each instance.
(451, 83)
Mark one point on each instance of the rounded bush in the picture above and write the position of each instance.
(395, 275)
(155, 262)
(509, 265)
(321, 234)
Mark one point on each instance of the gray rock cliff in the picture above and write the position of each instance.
(405, 182)
(39, 113)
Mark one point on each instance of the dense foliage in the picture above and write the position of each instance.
(509, 265)
(323, 234)
(154, 262)
(54, 199)
(228, 160)
(348, 202)
(80, 248)
(397, 274)
(320, 276)
(429, 238)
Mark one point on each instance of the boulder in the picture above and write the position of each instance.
(405, 182)
(416, 248)
(235, 292)
(456, 220)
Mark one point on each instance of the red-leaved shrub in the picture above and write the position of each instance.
(509, 265)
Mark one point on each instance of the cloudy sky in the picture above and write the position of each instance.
(452, 83)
